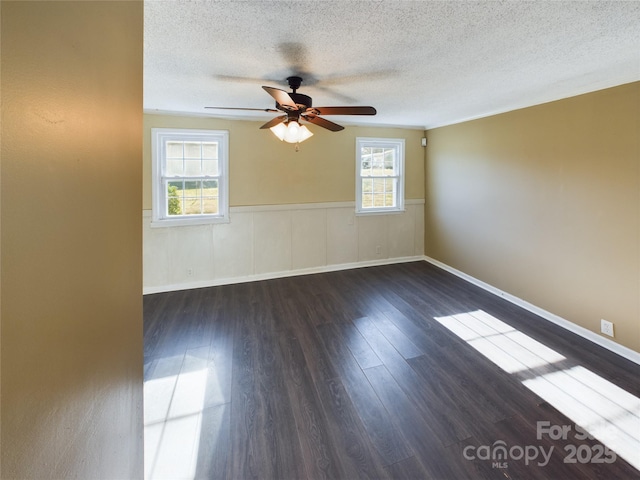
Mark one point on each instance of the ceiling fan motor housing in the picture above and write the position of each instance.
(303, 101)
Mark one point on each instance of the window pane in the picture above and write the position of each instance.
(390, 184)
(192, 188)
(192, 206)
(175, 206)
(378, 185)
(192, 150)
(192, 167)
(178, 184)
(365, 161)
(210, 167)
(389, 167)
(367, 185)
(175, 167)
(192, 194)
(209, 204)
(174, 198)
(390, 200)
(174, 149)
(210, 188)
(210, 150)
(378, 199)
(367, 200)
(378, 161)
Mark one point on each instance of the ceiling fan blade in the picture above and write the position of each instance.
(321, 122)
(282, 98)
(270, 110)
(344, 110)
(274, 122)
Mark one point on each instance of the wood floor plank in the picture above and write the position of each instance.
(320, 366)
(359, 347)
(319, 456)
(359, 457)
(158, 328)
(442, 414)
(406, 416)
(326, 307)
(472, 400)
(350, 374)
(388, 440)
(261, 418)
(408, 469)
(214, 446)
(220, 366)
(394, 335)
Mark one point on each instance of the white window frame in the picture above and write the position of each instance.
(398, 145)
(159, 136)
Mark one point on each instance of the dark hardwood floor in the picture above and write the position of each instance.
(377, 373)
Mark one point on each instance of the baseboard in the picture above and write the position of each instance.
(610, 345)
(271, 275)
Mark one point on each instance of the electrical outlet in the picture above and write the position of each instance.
(189, 272)
(378, 250)
(606, 327)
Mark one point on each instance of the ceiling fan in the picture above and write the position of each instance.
(297, 107)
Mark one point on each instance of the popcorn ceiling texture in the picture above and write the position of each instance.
(420, 63)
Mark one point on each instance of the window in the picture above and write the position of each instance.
(190, 176)
(379, 175)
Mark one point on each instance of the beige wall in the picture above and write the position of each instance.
(266, 171)
(71, 240)
(544, 203)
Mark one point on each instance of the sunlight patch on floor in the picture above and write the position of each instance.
(608, 413)
(173, 419)
(505, 346)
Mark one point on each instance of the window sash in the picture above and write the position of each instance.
(188, 206)
(374, 197)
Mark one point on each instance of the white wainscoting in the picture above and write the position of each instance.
(278, 240)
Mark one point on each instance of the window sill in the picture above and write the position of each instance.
(363, 213)
(186, 222)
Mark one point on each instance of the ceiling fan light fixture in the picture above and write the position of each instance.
(292, 132)
(279, 130)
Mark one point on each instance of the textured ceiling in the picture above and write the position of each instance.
(420, 63)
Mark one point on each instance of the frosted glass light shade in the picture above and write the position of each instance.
(292, 132)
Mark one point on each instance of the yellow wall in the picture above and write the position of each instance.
(71, 270)
(544, 203)
(265, 171)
